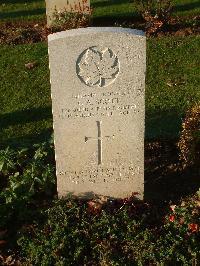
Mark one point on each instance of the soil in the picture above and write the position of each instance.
(25, 32)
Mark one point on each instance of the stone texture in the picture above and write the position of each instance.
(97, 83)
(82, 6)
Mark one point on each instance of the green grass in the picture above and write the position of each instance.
(113, 8)
(22, 9)
(35, 9)
(186, 7)
(25, 94)
(127, 8)
(132, 234)
(173, 78)
(172, 85)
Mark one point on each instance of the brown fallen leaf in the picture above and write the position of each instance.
(94, 207)
(102, 200)
(10, 260)
(30, 65)
(197, 203)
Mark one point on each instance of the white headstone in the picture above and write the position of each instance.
(97, 83)
(52, 6)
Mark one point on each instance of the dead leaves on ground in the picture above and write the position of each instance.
(31, 65)
(95, 206)
(9, 261)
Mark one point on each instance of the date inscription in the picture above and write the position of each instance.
(93, 104)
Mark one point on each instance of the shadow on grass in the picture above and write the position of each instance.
(109, 19)
(186, 7)
(163, 125)
(22, 117)
(164, 177)
(112, 19)
(28, 140)
(19, 1)
(22, 13)
(25, 116)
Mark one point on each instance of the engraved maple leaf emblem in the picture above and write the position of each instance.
(98, 67)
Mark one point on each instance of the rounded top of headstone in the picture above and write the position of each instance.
(92, 30)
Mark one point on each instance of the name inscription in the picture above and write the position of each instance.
(93, 104)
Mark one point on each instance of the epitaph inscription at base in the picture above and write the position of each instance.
(97, 83)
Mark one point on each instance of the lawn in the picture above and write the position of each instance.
(22, 9)
(172, 82)
(25, 94)
(35, 9)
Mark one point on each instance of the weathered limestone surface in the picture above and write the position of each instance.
(81, 6)
(97, 83)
